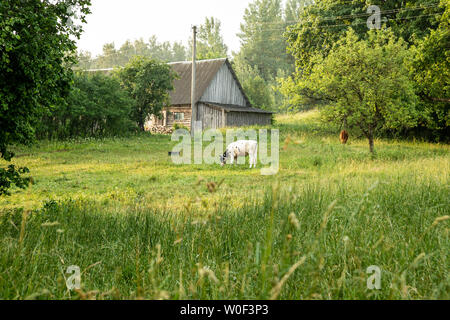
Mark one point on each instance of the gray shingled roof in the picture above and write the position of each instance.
(205, 73)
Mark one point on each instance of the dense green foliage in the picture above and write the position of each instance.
(263, 46)
(255, 87)
(210, 44)
(148, 82)
(321, 25)
(97, 106)
(37, 41)
(423, 25)
(430, 70)
(12, 176)
(263, 59)
(365, 83)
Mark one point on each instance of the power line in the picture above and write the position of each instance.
(347, 25)
(325, 26)
(381, 12)
(399, 10)
(401, 18)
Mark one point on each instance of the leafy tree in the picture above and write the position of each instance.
(430, 69)
(294, 10)
(126, 51)
(84, 59)
(263, 46)
(263, 57)
(166, 51)
(11, 176)
(149, 82)
(37, 45)
(109, 57)
(294, 101)
(142, 48)
(97, 106)
(365, 83)
(178, 52)
(323, 23)
(210, 44)
(255, 87)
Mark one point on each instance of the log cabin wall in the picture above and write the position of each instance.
(186, 110)
(168, 116)
(212, 118)
(240, 119)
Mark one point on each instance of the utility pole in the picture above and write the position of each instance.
(194, 66)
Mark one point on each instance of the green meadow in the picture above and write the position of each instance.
(141, 227)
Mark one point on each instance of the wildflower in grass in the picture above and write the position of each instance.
(50, 224)
(206, 271)
(294, 221)
(440, 219)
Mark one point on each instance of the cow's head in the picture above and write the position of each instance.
(223, 159)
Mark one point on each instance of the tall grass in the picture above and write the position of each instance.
(311, 241)
(139, 226)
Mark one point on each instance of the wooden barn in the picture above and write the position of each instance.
(220, 99)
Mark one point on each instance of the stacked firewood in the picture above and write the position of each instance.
(160, 130)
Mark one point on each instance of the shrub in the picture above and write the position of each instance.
(97, 106)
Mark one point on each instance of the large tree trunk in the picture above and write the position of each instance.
(141, 121)
(141, 125)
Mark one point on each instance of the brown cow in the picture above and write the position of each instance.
(343, 137)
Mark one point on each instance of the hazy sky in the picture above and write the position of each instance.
(170, 20)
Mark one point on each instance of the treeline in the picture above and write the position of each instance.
(210, 45)
(118, 57)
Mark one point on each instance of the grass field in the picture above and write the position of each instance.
(140, 226)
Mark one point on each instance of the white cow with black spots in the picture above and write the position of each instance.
(241, 148)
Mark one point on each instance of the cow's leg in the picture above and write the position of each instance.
(253, 158)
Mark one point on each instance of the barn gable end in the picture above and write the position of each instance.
(224, 89)
(220, 98)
